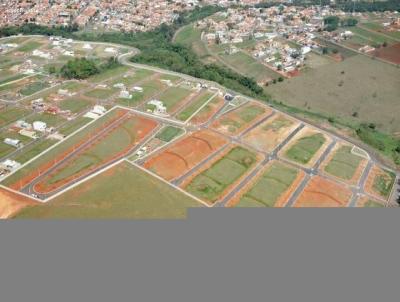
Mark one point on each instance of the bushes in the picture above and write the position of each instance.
(79, 69)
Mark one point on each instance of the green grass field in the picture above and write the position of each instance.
(33, 88)
(10, 78)
(334, 90)
(100, 93)
(305, 148)
(29, 46)
(150, 88)
(272, 184)
(373, 37)
(168, 133)
(383, 184)
(125, 192)
(250, 113)
(50, 119)
(108, 74)
(210, 184)
(12, 114)
(75, 105)
(194, 106)
(249, 66)
(373, 204)
(344, 163)
(173, 96)
(139, 74)
(74, 125)
(34, 150)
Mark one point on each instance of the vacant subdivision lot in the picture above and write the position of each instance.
(219, 176)
(194, 105)
(366, 202)
(122, 192)
(168, 133)
(390, 53)
(150, 89)
(237, 121)
(207, 111)
(175, 97)
(380, 183)
(186, 153)
(358, 84)
(323, 193)
(306, 147)
(11, 114)
(11, 203)
(344, 164)
(267, 136)
(272, 188)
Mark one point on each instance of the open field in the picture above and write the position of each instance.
(323, 193)
(34, 150)
(380, 183)
(208, 111)
(345, 165)
(389, 53)
(237, 121)
(150, 89)
(118, 141)
(11, 114)
(184, 154)
(329, 91)
(168, 133)
(272, 188)
(11, 203)
(123, 192)
(75, 104)
(212, 183)
(174, 97)
(100, 93)
(249, 66)
(194, 105)
(306, 147)
(365, 202)
(267, 136)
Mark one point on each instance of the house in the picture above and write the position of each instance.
(13, 142)
(28, 133)
(137, 89)
(39, 126)
(124, 94)
(159, 107)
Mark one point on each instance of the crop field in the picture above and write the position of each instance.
(175, 97)
(194, 105)
(123, 192)
(11, 203)
(184, 154)
(239, 120)
(117, 142)
(342, 163)
(380, 183)
(207, 111)
(249, 66)
(305, 147)
(168, 133)
(334, 90)
(271, 189)
(267, 136)
(212, 183)
(323, 193)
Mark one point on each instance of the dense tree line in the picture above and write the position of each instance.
(82, 68)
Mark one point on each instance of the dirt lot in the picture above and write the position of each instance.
(323, 193)
(366, 202)
(237, 121)
(271, 133)
(185, 154)
(11, 203)
(390, 53)
(358, 84)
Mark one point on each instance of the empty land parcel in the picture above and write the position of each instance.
(356, 85)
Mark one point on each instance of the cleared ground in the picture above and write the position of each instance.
(380, 183)
(124, 192)
(366, 86)
(11, 203)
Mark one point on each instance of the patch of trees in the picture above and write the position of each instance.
(81, 68)
(331, 23)
(349, 22)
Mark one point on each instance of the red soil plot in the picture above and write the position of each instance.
(27, 179)
(208, 111)
(323, 193)
(11, 203)
(185, 154)
(390, 53)
(136, 128)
